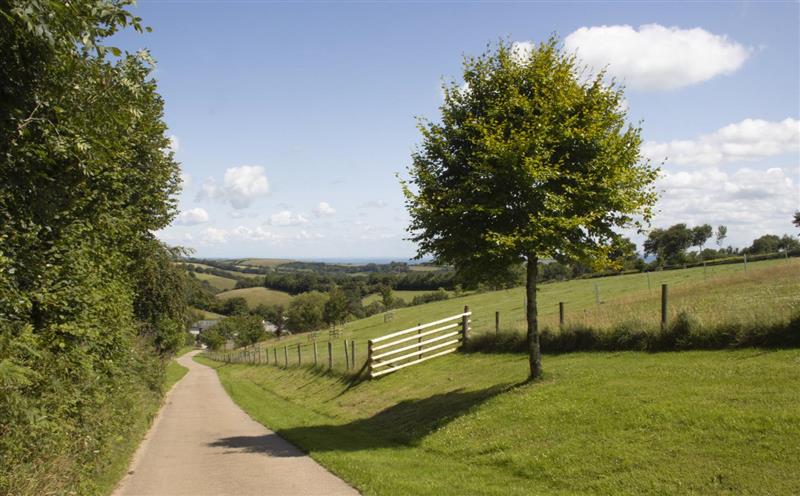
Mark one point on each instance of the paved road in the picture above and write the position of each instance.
(201, 443)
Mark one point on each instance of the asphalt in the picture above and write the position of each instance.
(201, 443)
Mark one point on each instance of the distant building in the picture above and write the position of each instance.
(202, 326)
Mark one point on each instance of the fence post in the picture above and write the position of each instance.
(596, 294)
(353, 353)
(419, 340)
(497, 322)
(299, 356)
(315, 353)
(275, 356)
(286, 356)
(330, 355)
(664, 302)
(561, 314)
(649, 287)
(705, 275)
(465, 324)
(369, 357)
(745, 262)
(346, 357)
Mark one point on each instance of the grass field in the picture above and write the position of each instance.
(220, 283)
(768, 292)
(264, 262)
(697, 422)
(205, 314)
(258, 295)
(406, 296)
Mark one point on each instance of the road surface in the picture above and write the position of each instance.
(201, 443)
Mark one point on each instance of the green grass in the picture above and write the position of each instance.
(258, 295)
(205, 314)
(217, 282)
(698, 422)
(768, 292)
(176, 371)
(405, 295)
(265, 262)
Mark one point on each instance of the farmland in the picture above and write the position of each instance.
(406, 296)
(257, 295)
(217, 282)
(599, 423)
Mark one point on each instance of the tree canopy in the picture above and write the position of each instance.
(528, 161)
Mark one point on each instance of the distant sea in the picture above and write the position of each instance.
(362, 261)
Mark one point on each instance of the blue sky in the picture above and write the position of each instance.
(291, 119)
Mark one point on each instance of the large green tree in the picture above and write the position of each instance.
(529, 161)
(669, 245)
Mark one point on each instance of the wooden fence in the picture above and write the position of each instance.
(409, 347)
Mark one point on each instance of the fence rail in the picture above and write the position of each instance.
(441, 339)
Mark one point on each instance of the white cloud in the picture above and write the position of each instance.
(656, 57)
(286, 218)
(192, 217)
(174, 143)
(746, 140)
(750, 202)
(257, 234)
(374, 204)
(241, 186)
(213, 235)
(303, 234)
(186, 180)
(521, 50)
(323, 209)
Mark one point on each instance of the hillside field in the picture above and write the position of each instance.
(258, 295)
(696, 422)
(217, 282)
(405, 295)
(265, 262)
(769, 291)
(689, 422)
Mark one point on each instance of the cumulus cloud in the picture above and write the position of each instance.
(303, 234)
(186, 180)
(746, 140)
(323, 209)
(751, 202)
(656, 57)
(240, 187)
(192, 217)
(213, 235)
(374, 204)
(174, 143)
(287, 218)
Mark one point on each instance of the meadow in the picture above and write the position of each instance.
(696, 422)
(688, 422)
(405, 295)
(257, 296)
(217, 282)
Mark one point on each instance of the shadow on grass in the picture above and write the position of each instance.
(405, 423)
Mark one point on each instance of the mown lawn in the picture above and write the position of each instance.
(697, 422)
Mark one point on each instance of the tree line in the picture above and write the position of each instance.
(90, 301)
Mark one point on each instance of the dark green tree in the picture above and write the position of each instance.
(528, 162)
(336, 307)
(721, 234)
(670, 245)
(306, 312)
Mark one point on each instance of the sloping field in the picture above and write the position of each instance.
(406, 296)
(258, 295)
(265, 262)
(220, 283)
(768, 291)
(697, 422)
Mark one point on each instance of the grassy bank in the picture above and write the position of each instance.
(600, 423)
(257, 296)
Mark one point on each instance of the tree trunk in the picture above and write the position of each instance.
(534, 352)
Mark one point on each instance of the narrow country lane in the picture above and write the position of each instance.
(201, 443)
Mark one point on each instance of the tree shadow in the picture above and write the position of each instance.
(405, 423)
(268, 444)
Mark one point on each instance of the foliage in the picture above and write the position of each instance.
(527, 163)
(721, 234)
(770, 243)
(86, 296)
(670, 245)
(306, 312)
(336, 307)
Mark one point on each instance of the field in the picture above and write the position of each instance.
(217, 282)
(258, 295)
(265, 262)
(406, 296)
(769, 291)
(205, 314)
(698, 422)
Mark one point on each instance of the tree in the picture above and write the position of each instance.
(306, 311)
(796, 219)
(768, 243)
(386, 295)
(528, 163)
(788, 243)
(670, 245)
(235, 306)
(336, 308)
(722, 233)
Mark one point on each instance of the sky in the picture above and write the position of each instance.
(293, 120)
